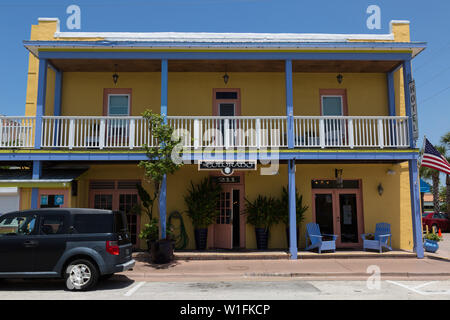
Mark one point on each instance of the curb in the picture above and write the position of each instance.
(441, 258)
(290, 275)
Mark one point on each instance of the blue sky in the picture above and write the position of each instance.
(429, 23)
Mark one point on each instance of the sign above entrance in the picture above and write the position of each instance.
(227, 167)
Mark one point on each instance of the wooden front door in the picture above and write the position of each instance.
(339, 211)
(229, 230)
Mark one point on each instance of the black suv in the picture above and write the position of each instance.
(79, 245)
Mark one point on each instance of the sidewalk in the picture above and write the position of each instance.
(322, 269)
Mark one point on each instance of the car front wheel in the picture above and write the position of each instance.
(81, 275)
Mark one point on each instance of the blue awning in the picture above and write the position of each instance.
(424, 187)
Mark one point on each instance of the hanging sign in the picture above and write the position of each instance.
(227, 167)
(413, 103)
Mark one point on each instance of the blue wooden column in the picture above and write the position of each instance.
(36, 175)
(292, 211)
(415, 207)
(391, 93)
(289, 103)
(58, 92)
(163, 192)
(407, 77)
(40, 103)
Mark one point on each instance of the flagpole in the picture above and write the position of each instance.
(421, 151)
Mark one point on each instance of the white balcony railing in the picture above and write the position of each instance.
(64, 132)
(351, 132)
(16, 132)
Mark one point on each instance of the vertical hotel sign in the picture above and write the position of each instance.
(413, 103)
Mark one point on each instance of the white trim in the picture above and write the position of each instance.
(8, 191)
(223, 37)
(52, 20)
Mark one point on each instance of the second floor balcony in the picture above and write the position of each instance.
(195, 132)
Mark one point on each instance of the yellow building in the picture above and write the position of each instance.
(326, 114)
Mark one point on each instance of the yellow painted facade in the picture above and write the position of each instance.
(262, 94)
(393, 206)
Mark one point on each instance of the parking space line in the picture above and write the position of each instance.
(135, 288)
(415, 289)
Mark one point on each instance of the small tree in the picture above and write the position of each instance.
(159, 163)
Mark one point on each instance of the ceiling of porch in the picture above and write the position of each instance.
(319, 66)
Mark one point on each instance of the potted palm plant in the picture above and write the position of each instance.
(284, 210)
(262, 213)
(201, 201)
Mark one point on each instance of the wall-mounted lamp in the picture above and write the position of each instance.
(226, 77)
(115, 75)
(338, 176)
(339, 78)
(380, 189)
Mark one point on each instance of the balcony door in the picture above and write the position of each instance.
(333, 103)
(117, 103)
(226, 103)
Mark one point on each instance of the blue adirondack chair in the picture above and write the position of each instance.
(314, 235)
(382, 236)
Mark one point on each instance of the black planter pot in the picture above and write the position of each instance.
(262, 238)
(201, 238)
(161, 251)
(288, 237)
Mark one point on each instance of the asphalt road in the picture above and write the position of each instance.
(122, 288)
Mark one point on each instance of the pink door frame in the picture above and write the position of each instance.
(335, 92)
(336, 213)
(217, 231)
(237, 102)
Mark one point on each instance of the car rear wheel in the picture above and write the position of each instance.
(81, 275)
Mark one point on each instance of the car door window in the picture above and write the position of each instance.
(17, 225)
(53, 224)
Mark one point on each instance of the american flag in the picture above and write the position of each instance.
(431, 158)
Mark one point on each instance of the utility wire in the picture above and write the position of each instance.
(435, 95)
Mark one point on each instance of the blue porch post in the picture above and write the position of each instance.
(407, 77)
(58, 88)
(40, 103)
(391, 103)
(289, 104)
(391, 93)
(36, 175)
(57, 104)
(163, 192)
(415, 207)
(292, 212)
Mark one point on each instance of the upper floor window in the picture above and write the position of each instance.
(332, 106)
(118, 105)
(333, 102)
(116, 102)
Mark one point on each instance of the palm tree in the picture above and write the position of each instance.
(445, 140)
